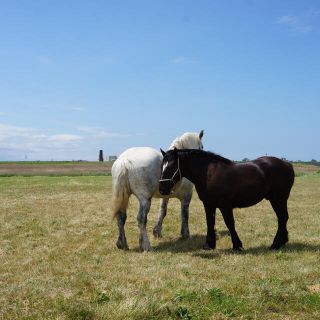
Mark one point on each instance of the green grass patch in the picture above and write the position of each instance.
(59, 259)
(300, 173)
(312, 300)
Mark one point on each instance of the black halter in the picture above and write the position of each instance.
(176, 172)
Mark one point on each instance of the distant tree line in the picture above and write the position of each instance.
(312, 161)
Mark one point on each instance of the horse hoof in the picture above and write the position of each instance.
(238, 249)
(157, 232)
(208, 246)
(277, 246)
(122, 246)
(185, 236)
(145, 246)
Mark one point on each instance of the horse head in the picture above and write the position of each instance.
(171, 173)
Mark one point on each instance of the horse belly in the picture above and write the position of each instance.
(244, 203)
(249, 196)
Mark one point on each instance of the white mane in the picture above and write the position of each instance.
(189, 140)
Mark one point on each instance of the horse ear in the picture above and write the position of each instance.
(201, 134)
(163, 153)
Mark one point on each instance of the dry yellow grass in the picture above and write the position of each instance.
(59, 259)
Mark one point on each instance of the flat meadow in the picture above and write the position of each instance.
(59, 259)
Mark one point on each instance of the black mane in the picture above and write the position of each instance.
(205, 154)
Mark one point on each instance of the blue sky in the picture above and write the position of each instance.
(79, 76)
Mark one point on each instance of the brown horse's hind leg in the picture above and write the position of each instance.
(228, 218)
(281, 210)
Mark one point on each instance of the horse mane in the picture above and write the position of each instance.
(186, 141)
(204, 154)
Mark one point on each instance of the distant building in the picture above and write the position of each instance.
(101, 155)
(113, 158)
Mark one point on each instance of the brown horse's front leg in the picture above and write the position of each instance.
(227, 214)
(211, 235)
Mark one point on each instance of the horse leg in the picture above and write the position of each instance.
(185, 202)
(228, 218)
(211, 234)
(157, 229)
(144, 208)
(122, 241)
(281, 210)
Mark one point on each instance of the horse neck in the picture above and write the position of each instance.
(192, 168)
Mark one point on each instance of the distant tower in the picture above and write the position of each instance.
(100, 155)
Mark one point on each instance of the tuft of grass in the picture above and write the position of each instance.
(184, 295)
(226, 304)
(312, 300)
(80, 312)
(181, 313)
(102, 297)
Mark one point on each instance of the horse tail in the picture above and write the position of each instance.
(120, 188)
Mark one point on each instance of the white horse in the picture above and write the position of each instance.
(137, 171)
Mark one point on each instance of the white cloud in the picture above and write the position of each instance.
(10, 131)
(77, 109)
(45, 60)
(98, 132)
(294, 23)
(178, 60)
(64, 138)
(302, 23)
(182, 60)
(37, 144)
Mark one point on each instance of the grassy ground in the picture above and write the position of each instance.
(59, 260)
(54, 168)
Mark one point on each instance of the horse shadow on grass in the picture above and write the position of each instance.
(195, 243)
(180, 245)
(293, 247)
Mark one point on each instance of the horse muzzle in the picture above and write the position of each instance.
(165, 188)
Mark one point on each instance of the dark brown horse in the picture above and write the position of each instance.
(223, 184)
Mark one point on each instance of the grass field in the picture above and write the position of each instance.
(52, 168)
(59, 259)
